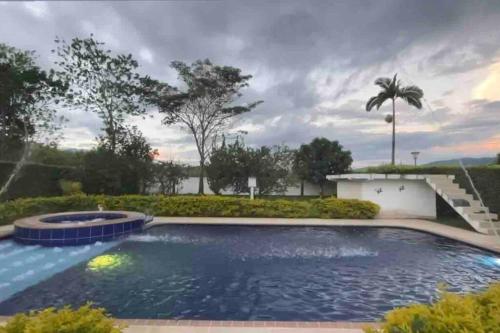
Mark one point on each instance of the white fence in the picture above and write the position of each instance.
(190, 186)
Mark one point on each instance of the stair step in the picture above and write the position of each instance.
(482, 216)
(460, 196)
(488, 225)
(474, 209)
(455, 190)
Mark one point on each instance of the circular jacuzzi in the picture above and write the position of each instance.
(77, 228)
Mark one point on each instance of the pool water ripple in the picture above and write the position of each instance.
(261, 273)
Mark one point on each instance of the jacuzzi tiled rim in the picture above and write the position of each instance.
(61, 229)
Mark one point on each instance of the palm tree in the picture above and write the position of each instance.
(391, 89)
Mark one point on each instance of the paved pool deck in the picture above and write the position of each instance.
(210, 326)
(486, 242)
(187, 326)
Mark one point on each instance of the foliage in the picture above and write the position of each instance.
(332, 208)
(51, 155)
(391, 90)
(36, 180)
(207, 105)
(85, 319)
(215, 206)
(498, 158)
(28, 95)
(69, 187)
(126, 170)
(169, 176)
(231, 165)
(452, 313)
(101, 82)
(486, 178)
(321, 157)
(222, 166)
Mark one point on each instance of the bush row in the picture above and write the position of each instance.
(486, 179)
(452, 313)
(211, 206)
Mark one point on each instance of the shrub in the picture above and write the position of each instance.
(212, 206)
(85, 319)
(453, 313)
(69, 187)
(332, 208)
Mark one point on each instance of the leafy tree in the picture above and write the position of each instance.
(127, 170)
(206, 105)
(232, 164)
(322, 157)
(169, 176)
(101, 82)
(50, 154)
(220, 170)
(28, 95)
(392, 89)
(270, 166)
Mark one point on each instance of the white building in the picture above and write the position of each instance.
(397, 196)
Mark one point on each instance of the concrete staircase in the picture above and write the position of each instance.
(464, 204)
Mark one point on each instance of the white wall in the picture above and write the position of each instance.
(190, 186)
(417, 199)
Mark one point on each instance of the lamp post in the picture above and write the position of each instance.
(415, 156)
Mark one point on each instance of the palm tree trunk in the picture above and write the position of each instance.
(393, 132)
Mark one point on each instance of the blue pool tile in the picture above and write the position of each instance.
(70, 233)
(70, 242)
(57, 234)
(45, 234)
(96, 231)
(83, 232)
(107, 238)
(108, 229)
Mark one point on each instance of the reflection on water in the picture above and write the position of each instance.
(264, 273)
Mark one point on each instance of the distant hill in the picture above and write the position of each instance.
(468, 161)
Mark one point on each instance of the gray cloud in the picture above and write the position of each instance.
(313, 62)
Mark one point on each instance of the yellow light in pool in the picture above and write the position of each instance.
(107, 261)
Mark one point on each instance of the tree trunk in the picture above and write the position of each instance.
(321, 190)
(201, 187)
(393, 156)
(19, 164)
(302, 187)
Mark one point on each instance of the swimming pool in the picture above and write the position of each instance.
(262, 273)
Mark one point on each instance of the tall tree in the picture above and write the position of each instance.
(128, 170)
(231, 165)
(169, 175)
(391, 90)
(322, 157)
(28, 96)
(220, 170)
(206, 104)
(102, 82)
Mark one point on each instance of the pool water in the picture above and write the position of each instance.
(263, 273)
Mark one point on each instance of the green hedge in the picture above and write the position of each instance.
(485, 178)
(210, 206)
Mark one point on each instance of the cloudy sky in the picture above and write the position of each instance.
(313, 63)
